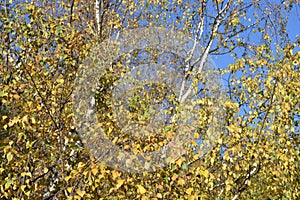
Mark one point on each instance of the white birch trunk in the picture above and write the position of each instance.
(97, 15)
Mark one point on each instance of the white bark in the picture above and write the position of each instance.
(250, 174)
(204, 56)
(97, 15)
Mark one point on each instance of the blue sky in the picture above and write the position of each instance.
(293, 29)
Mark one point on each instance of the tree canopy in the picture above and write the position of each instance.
(245, 115)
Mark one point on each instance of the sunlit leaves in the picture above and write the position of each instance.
(267, 103)
(42, 155)
(141, 189)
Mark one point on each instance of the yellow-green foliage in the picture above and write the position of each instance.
(41, 153)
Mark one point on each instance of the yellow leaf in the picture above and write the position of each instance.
(9, 156)
(205, 173)
(33, 120)
(3, 94)
(25, 120)
(39, 107)
(169, 134)
(119, 183)
(27, 193)
(115, 140)
(230, 128)
(179, 162)
(204, 196)
(80, 192)
(196, 135)
(13, 121)
(23, 187)
(249, 182)
(174, 177)
(135, 151)
(226, 156)
(80, 165)
(189, 191)
(181, 182)
(45, 170)
(144, 198)
(69, 189)
(111, 190)
(85, 172)
(141, 189)
(67, 178)
(61, 81)
(220, 141)
(94, 171)
(115, 174)
(28, 174)
(159, 195)
(16, 96)
(228, 187)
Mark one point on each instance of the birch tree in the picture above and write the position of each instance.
(256, 154)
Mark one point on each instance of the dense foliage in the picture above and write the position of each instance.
(43, 44)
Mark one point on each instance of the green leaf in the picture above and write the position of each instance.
(9, 156)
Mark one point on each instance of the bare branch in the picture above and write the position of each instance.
(198, 36)
(254, 171)
(202, 59)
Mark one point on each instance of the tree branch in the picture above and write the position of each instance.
(202, 59)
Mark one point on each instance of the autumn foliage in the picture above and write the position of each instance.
(43, 45)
